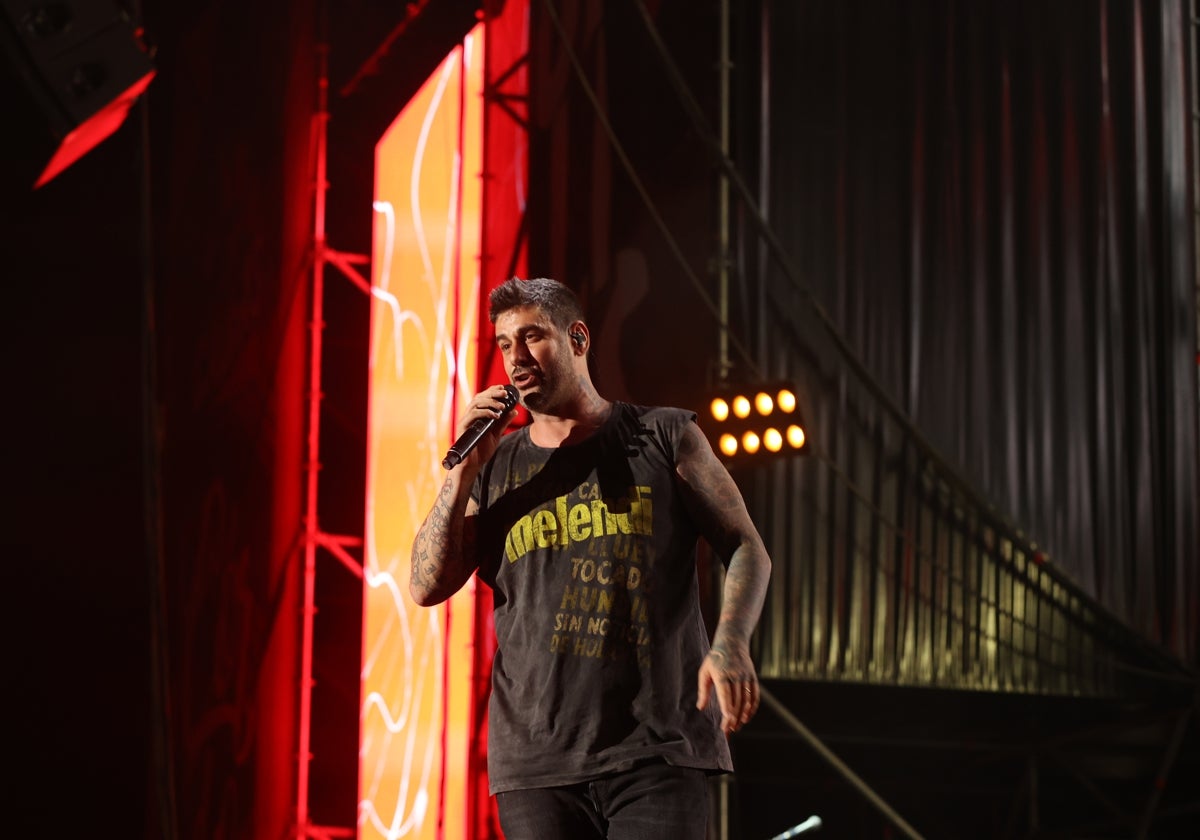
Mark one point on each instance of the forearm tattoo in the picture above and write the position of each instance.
(729, 530)
(439, 550)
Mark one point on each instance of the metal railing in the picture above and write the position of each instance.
(889, 569)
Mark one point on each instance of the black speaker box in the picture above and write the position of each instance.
(71, 71)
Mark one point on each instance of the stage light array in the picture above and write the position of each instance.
(754, 422)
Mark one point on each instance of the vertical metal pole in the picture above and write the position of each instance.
(1194, 14)
(163, 745)
(313, 459)
(724, 808)
(1033, 796)
(723, 364)
(764, 174)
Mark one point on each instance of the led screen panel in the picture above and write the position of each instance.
(416, 670)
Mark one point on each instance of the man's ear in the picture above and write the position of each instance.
(577, 332)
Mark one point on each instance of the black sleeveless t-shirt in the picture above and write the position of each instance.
(590, 554)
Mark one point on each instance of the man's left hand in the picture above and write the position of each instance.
(729, 671)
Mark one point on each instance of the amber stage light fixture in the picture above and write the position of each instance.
(754, 422)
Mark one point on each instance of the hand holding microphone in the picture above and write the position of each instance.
(474, 433)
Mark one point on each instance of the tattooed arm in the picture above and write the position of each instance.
(717, 505)
(443, 552)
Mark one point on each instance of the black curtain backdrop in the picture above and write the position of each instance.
(992, 203)
(229, 220)
(589, 226)
(157, 344)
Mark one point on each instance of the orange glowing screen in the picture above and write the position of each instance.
(416, 662)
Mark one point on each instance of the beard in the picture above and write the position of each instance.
(552, 386)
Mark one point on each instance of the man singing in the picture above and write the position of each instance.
(608, 709)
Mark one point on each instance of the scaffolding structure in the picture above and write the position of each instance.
(314, 537)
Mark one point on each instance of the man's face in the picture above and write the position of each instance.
(537, 357)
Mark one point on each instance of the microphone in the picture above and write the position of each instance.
(471, 437)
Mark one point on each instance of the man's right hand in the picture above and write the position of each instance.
(487, 404)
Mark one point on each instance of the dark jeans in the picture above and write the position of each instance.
(650, 802)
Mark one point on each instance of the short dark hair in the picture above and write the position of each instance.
(551, 296)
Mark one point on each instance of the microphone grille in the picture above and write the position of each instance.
(510, 396)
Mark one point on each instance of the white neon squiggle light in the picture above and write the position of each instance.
(405, 698)
(380, 291)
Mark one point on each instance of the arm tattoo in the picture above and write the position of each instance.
(717, 504)
(442, 551)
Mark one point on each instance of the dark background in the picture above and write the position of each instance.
(155, 348)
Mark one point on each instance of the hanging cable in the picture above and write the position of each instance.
(162, 744)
